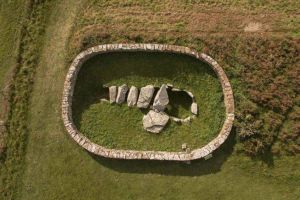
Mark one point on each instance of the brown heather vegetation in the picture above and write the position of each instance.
(263, 66)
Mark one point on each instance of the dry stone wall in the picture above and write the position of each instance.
(84, 142)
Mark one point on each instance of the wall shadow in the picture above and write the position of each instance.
(196, 168)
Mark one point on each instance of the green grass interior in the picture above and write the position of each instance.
(120, 127)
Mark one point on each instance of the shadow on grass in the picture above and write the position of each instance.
(179, 100)
(196, 168)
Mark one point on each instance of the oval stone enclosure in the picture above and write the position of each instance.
(94, 148)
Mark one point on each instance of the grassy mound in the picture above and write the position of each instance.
(118, 126)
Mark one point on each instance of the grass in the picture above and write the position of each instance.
(121, 127)
(57, 168)
(9, 35)
(9, 40)
(17, 130)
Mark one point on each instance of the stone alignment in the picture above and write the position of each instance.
(84, 142)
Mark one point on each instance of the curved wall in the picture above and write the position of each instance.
(133, 154)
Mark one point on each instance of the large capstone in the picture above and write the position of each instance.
(154, 122)
(194, 108)
(145, 96)
(113, 94)
(122, 90)
(161, 99)
(132, 96)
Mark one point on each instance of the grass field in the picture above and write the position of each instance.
(56, 168)
(12, 15)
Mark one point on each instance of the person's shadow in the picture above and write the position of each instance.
(195, 168)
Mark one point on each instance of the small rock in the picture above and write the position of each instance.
(145, 96)
(169, 85)
(177, 120)
(188, 119)
(112, 94)
(194, 108)
(132, 96)
(122, 90)
(154, 122)
(161, 99)
(176, 90)
(184, 146)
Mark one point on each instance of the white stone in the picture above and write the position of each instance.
(194, 108)
(132, 96)
(176, 90)
(190, 94)
(122, 90)
(154, 122)
(112, 93)
(185, 120)
(177, 120)
(145, 96)
(161, 99)
(169, 85)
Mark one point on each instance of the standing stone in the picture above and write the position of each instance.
(194, 108)
(132, 96)
(190, 94)
(113, 94)
(122, 90)
(154, 122)
(145, 96)
(161, 99)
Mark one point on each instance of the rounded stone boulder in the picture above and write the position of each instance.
(154, 122)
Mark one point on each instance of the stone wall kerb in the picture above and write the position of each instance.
(84, 142)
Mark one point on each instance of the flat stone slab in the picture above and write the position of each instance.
(113, 94)
(132, 96)
(154, 122)
(145, 96)
(161, 99)
(122, 90)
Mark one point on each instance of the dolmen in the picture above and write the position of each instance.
(156, 119)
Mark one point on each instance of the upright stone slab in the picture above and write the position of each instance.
(194, 108)
(190, 94)
(132, 96)
(145, 96)
(122, 90)
(161, 99)
(113, 94)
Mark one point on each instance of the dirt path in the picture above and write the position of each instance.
(49, 80)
